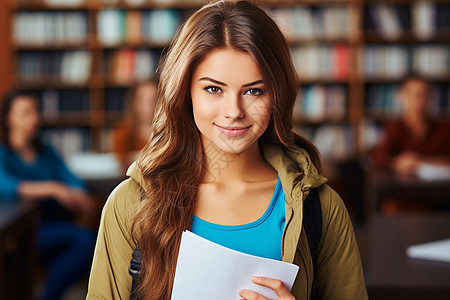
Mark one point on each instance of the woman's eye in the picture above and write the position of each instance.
(213, 89)
(254, 92)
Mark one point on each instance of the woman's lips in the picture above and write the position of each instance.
(233, 131)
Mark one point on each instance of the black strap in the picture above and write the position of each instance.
(312, 223)
(134, 270)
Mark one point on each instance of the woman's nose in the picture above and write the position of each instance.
(233, 108)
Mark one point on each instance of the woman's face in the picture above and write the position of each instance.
(23, 117)
(144, 103)
(230, 104)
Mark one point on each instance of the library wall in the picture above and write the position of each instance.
(80, 57)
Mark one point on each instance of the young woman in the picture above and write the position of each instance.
(33, 172)
(224, 163)
(131, 134)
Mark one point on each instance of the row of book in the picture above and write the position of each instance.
(138, 3)
(391, 62)
(68, 141)
(330, 22)
(382, 101)
(157, 26)
(64, 2)
(115, 100)
(127, 66)
(57, 102)
(423, 18)
(68, 67)
(50, 28)
(333, 141)
(132, 3)
(321, 103)
(316, 62)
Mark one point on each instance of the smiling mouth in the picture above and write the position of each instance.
(233, 131)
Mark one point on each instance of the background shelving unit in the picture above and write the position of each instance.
(401, 38)
(81, 56)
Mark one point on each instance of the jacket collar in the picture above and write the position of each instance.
(296, 171)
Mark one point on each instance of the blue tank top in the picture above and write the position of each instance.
(261, 237)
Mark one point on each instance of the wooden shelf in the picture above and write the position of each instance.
(407, 38)
(52, 84)
(52, 47)
(68, 119)
(99, 85)
(290, 3)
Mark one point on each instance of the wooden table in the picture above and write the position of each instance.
(18, 226)
(384, 184)
(391, 274)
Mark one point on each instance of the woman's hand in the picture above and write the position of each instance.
(276, 285)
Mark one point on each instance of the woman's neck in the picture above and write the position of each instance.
(225, 168)
(23, 146)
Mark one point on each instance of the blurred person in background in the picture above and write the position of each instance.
(414, 138)
(132, 133)
(31, 171)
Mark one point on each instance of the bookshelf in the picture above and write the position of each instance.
(5, 48)
(401, 38)
(81, 56)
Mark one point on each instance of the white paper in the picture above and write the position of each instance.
(437, 250)
(206, 270)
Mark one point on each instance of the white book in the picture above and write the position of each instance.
(303, 23)
(206, 270)
(145, 65)
(285, 21)
(387, 21)
(437, 250)
(109, 27)
(163, 24)
(423, 19)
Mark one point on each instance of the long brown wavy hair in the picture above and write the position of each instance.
(173, 164)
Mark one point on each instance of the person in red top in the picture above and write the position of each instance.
(414, 138)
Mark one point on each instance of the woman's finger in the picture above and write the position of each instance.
(250, 295)
(276, 285)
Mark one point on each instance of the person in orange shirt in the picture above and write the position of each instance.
(131, 134)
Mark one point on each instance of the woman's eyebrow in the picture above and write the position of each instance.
(253, 83)
(212, 80)
(224, 84)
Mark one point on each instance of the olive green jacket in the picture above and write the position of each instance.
(339, 270)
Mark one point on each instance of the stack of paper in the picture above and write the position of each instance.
(206, 270)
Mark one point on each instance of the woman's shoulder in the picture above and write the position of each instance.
(331, 203)
(124, 196)
(120, 206)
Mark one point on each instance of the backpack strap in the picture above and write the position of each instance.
(134, 270)
(312, 223)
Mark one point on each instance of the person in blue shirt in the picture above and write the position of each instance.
(31, 171)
